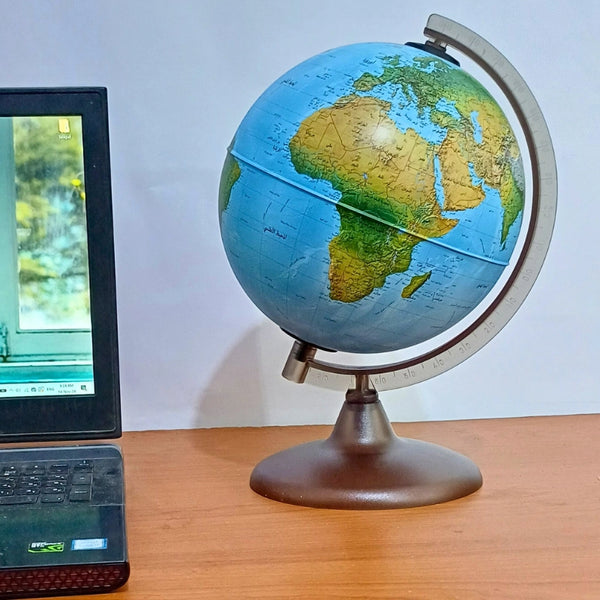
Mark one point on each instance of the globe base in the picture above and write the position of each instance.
(364, 465)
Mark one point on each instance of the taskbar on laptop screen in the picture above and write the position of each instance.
(55, 388)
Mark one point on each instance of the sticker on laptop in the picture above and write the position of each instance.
(90, 544)
(46, 547)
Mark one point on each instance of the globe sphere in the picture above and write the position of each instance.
(371, 198)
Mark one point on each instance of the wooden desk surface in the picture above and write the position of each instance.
(196, 530)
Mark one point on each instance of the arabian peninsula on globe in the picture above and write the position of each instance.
(371, 198)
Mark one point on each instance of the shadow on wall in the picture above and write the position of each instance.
(235, 394)
(247, 389)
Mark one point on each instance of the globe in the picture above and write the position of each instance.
(371, 198)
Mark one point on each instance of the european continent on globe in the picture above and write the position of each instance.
(410, 151)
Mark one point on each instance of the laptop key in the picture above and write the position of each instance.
(52, 498)
(34, 469)
(54, 483)
(82, 479)
(59, 468)
(57, 489)
(84, 465)
(80, 493)
(27, 491)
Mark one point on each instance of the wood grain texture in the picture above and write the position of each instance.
(196, 530)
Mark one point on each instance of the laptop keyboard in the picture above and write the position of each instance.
(46, 482)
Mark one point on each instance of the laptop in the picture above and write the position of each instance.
(62, 517)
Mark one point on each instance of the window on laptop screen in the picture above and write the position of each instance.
(58, 350)
(45, 327)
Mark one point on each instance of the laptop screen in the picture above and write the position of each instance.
(58, 342)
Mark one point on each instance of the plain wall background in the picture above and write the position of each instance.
(181, 74)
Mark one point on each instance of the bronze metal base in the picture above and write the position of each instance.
(364, 465)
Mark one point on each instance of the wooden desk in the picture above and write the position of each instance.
(533, 531)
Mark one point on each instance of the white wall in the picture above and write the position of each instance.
(181, 75)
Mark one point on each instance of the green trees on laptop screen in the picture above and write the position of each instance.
(51, 226)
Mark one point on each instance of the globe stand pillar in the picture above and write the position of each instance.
(365, 465)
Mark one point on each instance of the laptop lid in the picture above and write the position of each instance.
(58, 326)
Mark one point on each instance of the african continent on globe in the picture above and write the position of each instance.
(371, 198)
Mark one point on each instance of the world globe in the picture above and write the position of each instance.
(371, 197)
(370, 200)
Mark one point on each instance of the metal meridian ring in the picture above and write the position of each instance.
(302, 366)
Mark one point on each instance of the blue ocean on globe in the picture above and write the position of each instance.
(371, 198)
